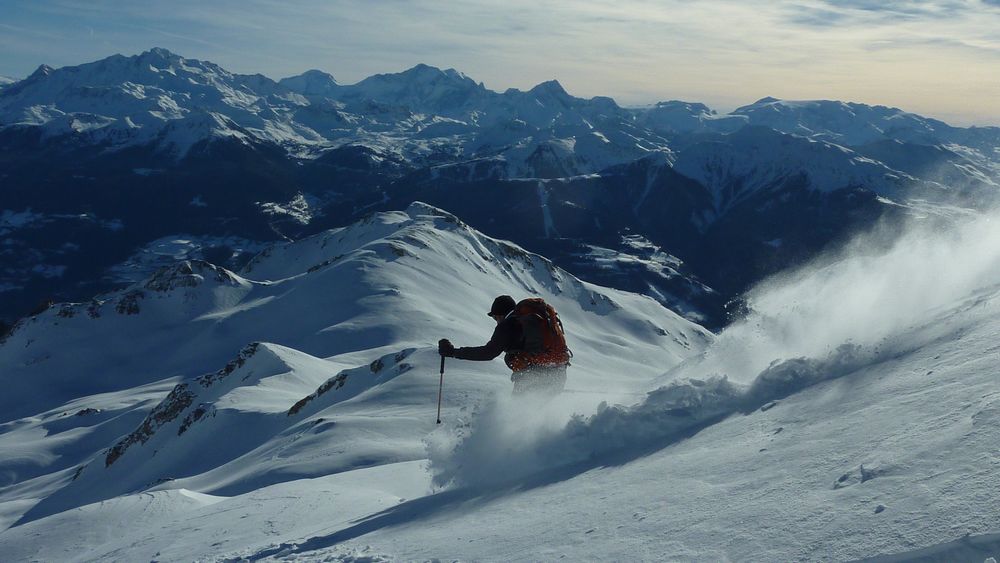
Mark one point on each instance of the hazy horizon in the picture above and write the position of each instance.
(931, 57)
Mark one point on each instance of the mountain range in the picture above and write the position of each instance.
(114, 168)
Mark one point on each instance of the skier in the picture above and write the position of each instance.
(531, 334)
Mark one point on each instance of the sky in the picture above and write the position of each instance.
(939, 58)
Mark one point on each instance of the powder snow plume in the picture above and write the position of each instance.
(874, 299)
(864, 294)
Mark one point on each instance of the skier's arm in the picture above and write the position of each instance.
(492, 349)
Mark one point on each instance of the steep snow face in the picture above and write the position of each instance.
(319, 357)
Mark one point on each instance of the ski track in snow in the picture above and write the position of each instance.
(509, 440)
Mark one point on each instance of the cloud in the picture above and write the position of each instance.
(906, 8)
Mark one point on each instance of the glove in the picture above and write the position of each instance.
(445, 348)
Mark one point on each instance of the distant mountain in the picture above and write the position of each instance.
(314, 83)
(107, 163)
(853, 124)
(422, 89)
(846, 123)
(685, 117)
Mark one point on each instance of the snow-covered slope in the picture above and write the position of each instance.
(852, 414)
(257, 361)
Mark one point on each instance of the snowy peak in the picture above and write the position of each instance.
(425, 73)
(124, 101)
(681, 117)
(41, 72)
(421, 88)
(10, 87)
(549, 95)
(312, 83)
(549, 88)
(421, 78)
(841, 122)
(695, 108)
(160, 57)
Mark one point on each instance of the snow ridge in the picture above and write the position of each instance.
(357, 310)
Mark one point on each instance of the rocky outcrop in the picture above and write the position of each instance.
(394, 363)
(175, 405)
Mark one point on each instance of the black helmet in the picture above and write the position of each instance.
(502, 306)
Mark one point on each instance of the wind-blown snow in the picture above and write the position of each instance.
(863, 294)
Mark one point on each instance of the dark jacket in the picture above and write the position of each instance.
(507, 337)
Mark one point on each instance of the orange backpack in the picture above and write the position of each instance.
(544, 338)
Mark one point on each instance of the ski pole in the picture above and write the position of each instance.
(440, 389)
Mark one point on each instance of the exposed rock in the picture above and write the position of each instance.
(178, 401)
(189, 273)
(129, 303)
(338, 381)
(246, 353)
